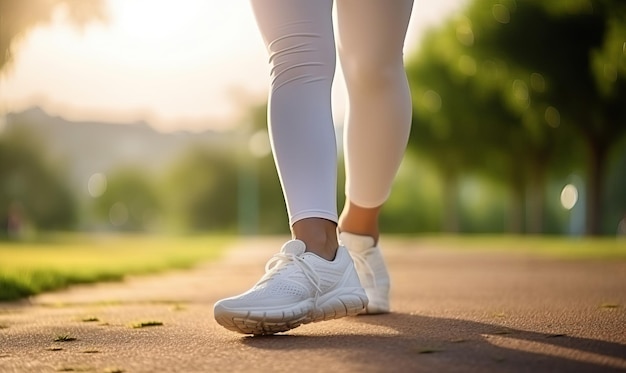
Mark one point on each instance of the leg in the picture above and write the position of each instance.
(299, 286)
(299, 38)
(371, 40)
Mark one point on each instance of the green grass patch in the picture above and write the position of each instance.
(557, 247)
(62, 260)
(64, 338)
(609, 305)
(145, 324)
(90, 319)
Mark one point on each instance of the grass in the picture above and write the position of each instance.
(556, 247)
(61, 260)
(64, 338)
(145, 324)
(90, 319)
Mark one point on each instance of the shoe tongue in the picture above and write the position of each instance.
(295, 247)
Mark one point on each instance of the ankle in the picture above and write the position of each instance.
(360, 221)
(319, 235)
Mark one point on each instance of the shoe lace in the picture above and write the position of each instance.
(281, 260)
(360, 260)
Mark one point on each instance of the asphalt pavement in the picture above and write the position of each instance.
(453, 310)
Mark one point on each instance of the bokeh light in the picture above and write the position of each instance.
(118, 214)
(259, 144)
(569, 196)
(537, 82)
(553, 117)
(432, 101)
(97, 185)
(464, 32)
(501, 13)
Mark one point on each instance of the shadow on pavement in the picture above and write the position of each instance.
(421, 343)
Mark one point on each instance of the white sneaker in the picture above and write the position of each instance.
(371, 269)
(298, 288)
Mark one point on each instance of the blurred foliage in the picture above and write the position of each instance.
(522, 92)
(202, 189)
(33, 192)
(130, 201)
(512, 100)
(17, 17)
(415, 203)
(256, 164)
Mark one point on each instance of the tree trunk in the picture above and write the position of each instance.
(595, 185)
(451, 221)
(515, 223)
(535, 199)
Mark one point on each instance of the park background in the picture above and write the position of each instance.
(146, 120)
(133, 141)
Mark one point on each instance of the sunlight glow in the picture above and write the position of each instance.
(191, 65)
(174, 65)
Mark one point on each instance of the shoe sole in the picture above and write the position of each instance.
(261, 322)
(378, 302)
(333, 305)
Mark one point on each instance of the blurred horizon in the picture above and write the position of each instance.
(190, 65)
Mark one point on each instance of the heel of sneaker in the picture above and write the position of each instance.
(349, 304)
(378, 300)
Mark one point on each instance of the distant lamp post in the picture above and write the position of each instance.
(256, 147)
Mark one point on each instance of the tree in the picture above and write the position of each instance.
(17, 17)
(462, 124)
(533, 79)
(130, 201)
(438, 129)
(577, 49)
(32, 190)
(202, 186)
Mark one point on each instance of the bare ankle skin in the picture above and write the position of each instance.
(319, 236)
(360, 220)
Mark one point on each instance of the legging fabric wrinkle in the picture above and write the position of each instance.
(279, 68)
(300, 41)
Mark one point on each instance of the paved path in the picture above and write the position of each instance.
(453, 311)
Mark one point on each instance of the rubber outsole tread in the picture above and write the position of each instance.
(347, 305)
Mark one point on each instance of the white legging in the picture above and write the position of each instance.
(299, 38)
